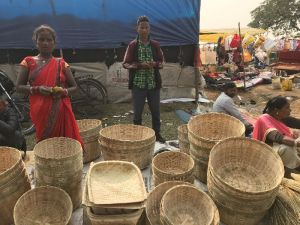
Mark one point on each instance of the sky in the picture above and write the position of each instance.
(226, 13)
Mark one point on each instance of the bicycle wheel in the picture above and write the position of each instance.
(89, 99)
(27, 126)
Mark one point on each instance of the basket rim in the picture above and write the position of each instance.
(35, 150)
(97, 125)
(56, 189)
(173, 189)
(8, 170)
(257, 142)
(109, 163)
(126, 141)
(172, 152)
(212, 114)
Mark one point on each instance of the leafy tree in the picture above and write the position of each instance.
(281, 16)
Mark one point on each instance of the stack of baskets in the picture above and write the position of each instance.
(114, 193)
(243, 179)
(185, 204)
(168, 166)
(13, 182)
(184, 144)
(128, 142)
(58, 162)
(204, 131)
(89, 132)
(43, 205)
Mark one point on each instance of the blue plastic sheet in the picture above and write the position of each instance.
(90, 24)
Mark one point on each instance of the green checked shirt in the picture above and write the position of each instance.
(144, 78)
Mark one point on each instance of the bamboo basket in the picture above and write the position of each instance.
(205, 130)
(115, 182)
(295, 111)
(243, 179)
(43, 205)
(127, 142)
(89, 132)
(168, 166)
(11, 164)
(123, 219)
(184, 144)
(154, 200)
(58, 162)
(200, 169)
(178, 206)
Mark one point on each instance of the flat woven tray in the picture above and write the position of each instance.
(115, 182)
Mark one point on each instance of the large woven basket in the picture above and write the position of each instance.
(184, 144)
(243, 179)
(154, 200)
(295, 109)
(123, 219)
(128, 142)
(115, 182)
(169, 166)
(205, 130)
(13, 182)
(11, 164)
(184, 204)
(43, 205)
(58, 162)
(89, 132)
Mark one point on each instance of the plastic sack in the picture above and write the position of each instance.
(269, 44)
(259, 41)
(247, 56)
(236, 41)
(287, 85)
(228, 40)
(247, 40)
(276, 83)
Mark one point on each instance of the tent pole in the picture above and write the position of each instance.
(242, 55)
(197, 65)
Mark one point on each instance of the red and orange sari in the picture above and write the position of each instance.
(52, 117)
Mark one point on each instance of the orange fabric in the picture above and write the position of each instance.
(52, 118)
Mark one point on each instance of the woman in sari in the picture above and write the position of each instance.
(271, 128)
(50, 83)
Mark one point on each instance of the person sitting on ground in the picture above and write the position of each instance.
(10, 131)
(225, 104)
(272, 128)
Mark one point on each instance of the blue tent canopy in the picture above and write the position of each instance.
(87, 24)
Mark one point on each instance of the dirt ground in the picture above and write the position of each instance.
(122, 112)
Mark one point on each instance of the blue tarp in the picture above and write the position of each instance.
(90, 24)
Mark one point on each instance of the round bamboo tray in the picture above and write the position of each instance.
(127, 142)
(154, 200)
(58, 162)
(169, 166)
(89, 132)
(43, 205)
(184, 144)
(178, 206)
(243, 176)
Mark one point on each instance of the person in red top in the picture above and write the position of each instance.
(50, 83)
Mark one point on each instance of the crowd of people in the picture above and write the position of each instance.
(49, 82)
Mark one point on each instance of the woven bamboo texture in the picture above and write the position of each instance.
(168, 166)
(184, 144)
(111, 209)
(11, 164)
(89, 132)
(295, 109)
(115, 182)
(243, 179)
(178, 206)
(58, 162)
(127, 142)
(123, 219)
(200, 170)
(10, 192)
(154, 200)
(43, 206)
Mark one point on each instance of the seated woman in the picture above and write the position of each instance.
(272, 128)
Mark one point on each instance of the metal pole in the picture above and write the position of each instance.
(242, 56)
